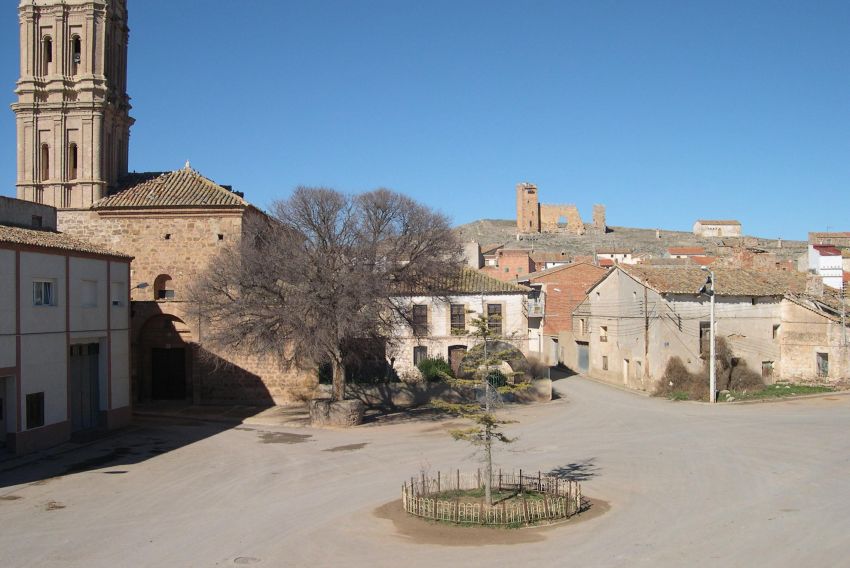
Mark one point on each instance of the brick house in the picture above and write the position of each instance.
(556, 292)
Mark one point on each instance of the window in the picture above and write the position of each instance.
(767, 369)
(163, 288)
(458, 317)
(118, 293)
(419, 353)
(43, 293)
(494, 318)
(35, 410)
(420, 319)
(45, 162)
(46, 55)
(605, 362)
(704, 337)
(72, 161)
(167, 236)
(36, 222)
(582, 326)
(220, 237)
(754, 301)
(76, 54)
(603, 333)
(88, 293)
(776, 331)
(822, 360)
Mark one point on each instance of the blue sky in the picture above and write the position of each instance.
(665, 111)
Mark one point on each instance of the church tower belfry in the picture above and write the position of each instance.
(72, 112)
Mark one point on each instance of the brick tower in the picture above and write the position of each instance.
(527, 208)
(72, 112)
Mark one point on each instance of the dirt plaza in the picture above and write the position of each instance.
(672, 484)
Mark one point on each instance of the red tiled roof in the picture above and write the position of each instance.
(180, 188)
(693, 251)
(606, 262)
(827, 250)
(703, 260)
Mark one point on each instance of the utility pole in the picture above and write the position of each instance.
(712, 364)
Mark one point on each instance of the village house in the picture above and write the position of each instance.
(717, 228)
(64, 331)
(636, 318)
(611, 256)
(441, 324)
(555, 294)
(73, 131)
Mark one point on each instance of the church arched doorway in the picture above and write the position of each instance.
(165, 346)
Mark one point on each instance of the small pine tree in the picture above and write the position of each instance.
(482, 375)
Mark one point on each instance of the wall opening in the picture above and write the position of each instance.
(46, 55)
(76, 54)
(72, 161)
(45, 162)
(163, 287)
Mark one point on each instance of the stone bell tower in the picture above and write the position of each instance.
(72, 113)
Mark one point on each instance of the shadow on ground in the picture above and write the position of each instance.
(576, 471)
(146, 438)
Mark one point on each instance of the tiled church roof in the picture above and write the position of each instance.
(180, 188)
(51, 240)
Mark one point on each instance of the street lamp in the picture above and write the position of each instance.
(712, 364)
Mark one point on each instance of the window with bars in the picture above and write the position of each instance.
(458, 317)
(494, 318)
(420, 319)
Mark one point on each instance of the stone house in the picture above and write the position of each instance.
(555, 294)
(509, 264)
(814, 347)
(441, 324)
(636, 318)
(64, 331)
(717, 228)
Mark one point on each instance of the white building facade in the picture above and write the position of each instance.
(64, 338)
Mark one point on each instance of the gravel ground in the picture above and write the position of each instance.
(687, 485)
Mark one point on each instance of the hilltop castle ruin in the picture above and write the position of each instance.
(535, 217)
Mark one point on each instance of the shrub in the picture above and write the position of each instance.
(680, 384)
(435, 369)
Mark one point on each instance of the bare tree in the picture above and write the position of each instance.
(318, 276)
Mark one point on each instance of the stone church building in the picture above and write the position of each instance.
(73, 129)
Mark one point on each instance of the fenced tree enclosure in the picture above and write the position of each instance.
(537, 498)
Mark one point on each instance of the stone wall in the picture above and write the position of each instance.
(174, 243)
(599, 219)
(550, 216)
(802, 335)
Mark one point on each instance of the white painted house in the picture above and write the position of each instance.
(826, 262)
(64, 332)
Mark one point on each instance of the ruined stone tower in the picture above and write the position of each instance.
(527, 208)
(72, 112)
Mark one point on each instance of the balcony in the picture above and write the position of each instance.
(536, 307)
